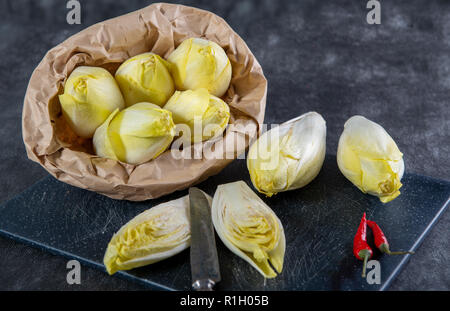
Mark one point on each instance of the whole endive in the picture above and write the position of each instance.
(249, 228)
(145, 78)
(370, 159)
(199, 63)
(289, 156)
(154, 235)
(206, 115)
(136, 134)
(90, 95)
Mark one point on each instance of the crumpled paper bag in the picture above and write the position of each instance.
(158, 28)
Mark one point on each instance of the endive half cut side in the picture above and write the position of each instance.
(154, 235)
(249, 228)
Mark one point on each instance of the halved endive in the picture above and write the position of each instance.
(199, 63)
(249, 228)
(145, 78)
(289, 156)
(136, 134)
(156, 234)
(369, 157)
(90, 95)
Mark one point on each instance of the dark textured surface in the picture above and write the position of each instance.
(316, 55)
(319, 223)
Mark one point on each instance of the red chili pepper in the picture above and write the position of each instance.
(361, 249)
(380, 239)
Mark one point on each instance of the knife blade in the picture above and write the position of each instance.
(205, 270)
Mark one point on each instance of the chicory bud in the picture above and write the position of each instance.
(145, 78)
(209, 112)
(289, 156)
(199, 63)
(136, 134)
(90, 95)
(370, 159)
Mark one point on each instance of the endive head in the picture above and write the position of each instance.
(370, 159)
(154, 235)
(289, 156)
(206, 115)
(136, 134)
(90, 95)
(199, 63)
(145, 78)
(249, 228)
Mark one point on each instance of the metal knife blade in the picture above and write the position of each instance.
(205, 268)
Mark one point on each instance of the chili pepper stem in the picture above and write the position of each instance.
(384, 248)
(365, 254)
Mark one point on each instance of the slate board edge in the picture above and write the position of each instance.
(153, 285)
(147, 283)
(414, 248)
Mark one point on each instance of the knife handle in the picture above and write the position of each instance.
(203, 285)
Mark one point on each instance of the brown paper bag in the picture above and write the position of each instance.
(158, 28)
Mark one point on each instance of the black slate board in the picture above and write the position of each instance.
(320, 221)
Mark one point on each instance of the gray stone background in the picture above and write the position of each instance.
(316, 55)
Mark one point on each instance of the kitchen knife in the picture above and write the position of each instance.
(205, 269)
